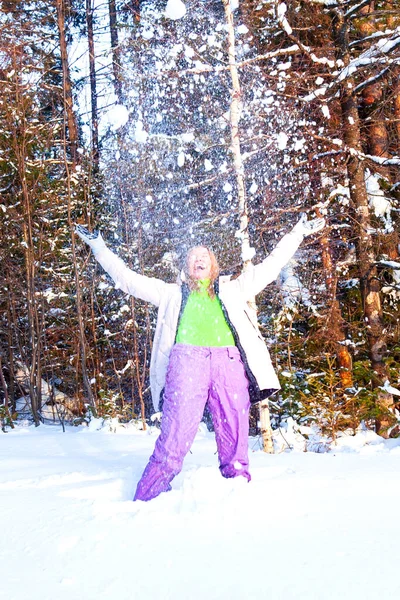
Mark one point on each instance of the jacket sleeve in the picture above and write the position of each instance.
(149, 289)
(257, 277)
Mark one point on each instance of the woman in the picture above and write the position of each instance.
(207, 349)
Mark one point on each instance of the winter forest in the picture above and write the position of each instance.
(168, 124)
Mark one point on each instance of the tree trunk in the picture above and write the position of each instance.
(378, 138)
(72, 145)
(81, 325)
(137, 370)
(235, 109)
(19, 142)
(93, 86)
(72, 135)
(11, 324)
(235, 138)
(134, 8)
(369, 283)
(116, 58)
(6, 398)
(396, 111)
(335, 320)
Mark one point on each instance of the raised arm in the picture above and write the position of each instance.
(149, 289)
(257, 277)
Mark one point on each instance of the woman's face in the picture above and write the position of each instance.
(199, 263)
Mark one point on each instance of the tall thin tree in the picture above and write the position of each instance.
(235, 107)
(93, 85)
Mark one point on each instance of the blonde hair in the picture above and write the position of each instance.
(193, 283)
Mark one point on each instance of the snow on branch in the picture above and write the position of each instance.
(374, 36)
(364, 61)
(380, 160)
(375, 54)
(354, 9)
(372, 80)
(391, 264)
(205, 68)
(389, 388)
(282, 20)
(330, 3)
(284, 23)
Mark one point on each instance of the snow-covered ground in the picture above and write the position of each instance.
(309, 525)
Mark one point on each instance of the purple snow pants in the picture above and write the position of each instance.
(197, 375)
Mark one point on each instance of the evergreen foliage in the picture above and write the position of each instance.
(164, 181)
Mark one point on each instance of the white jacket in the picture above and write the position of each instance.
(234, 295)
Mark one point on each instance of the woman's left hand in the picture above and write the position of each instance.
(309, 227)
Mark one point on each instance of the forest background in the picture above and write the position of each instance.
(166, 124)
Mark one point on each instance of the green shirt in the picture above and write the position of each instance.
(203, 323)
